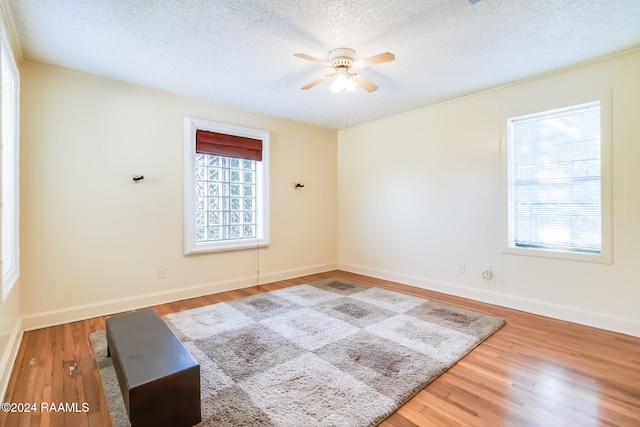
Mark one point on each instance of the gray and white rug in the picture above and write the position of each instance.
(329, 353)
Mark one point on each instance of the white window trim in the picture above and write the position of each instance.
(191, 125)
(11, 277)
(606, 181)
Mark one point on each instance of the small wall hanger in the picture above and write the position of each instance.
(137, 178)
(299, 185)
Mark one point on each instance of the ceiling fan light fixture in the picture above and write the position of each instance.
(351, 84)
(342, 82)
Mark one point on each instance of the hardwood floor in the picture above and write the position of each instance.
(535, 371)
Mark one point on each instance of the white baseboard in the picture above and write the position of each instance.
(103, 308)
(9, 358)
(557, 311)
(296, 272)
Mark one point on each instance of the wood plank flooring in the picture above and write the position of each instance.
(535, 371)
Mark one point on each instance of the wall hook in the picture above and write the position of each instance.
(137, 178)
(299, 185)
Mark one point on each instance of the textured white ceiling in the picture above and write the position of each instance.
(239, 53)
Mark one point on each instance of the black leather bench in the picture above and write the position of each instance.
(159, 379)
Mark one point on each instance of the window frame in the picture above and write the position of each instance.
(11, 155)
(191, 246)
(606, 189)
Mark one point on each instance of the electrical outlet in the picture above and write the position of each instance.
(162, 273)
(486, 273)
(462, 268)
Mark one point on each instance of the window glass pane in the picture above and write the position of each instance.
(201, 172)
(214, 233)
(200, 188)
(554, 180)
(214, 218)
(221, 215)
(215, 189)
(215, 174)
(248, 164)
(200, 234)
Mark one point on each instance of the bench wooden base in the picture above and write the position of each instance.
(159, 379)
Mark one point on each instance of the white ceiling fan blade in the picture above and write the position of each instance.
(317, 82)
(373, 60)
(364, 83)
(312, 59)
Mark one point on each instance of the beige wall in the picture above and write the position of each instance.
(93, 242)
(422, 192)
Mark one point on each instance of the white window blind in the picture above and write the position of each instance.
(554, 180)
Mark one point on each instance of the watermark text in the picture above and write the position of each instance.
(78, 407)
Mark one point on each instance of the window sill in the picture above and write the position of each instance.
(602, 258)
(222, 246)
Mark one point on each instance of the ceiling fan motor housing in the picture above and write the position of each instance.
(342, 57)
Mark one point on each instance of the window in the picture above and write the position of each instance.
(10, 98)
(555, 182)
(226, 182)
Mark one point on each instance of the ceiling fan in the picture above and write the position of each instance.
(342, 60)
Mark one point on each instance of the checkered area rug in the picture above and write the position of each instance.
(329, 353)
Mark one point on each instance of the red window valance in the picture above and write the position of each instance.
(220, 144)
